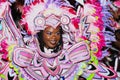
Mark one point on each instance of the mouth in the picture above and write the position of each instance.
(53, 42)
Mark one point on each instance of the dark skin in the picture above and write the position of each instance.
(51, 36)
(56, 47)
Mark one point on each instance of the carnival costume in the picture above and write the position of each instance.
(83, 42)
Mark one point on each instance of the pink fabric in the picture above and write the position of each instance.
(117, 3)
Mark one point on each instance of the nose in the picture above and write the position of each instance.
(53, 36)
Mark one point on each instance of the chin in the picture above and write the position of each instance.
(52, 46)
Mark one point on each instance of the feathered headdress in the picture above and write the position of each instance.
(37, 15)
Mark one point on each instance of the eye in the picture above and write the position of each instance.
(49, 33)
(57, 33)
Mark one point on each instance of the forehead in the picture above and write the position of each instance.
(50, 28)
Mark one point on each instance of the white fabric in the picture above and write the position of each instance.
(48, 50)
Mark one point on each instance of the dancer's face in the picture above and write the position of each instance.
(51, 36)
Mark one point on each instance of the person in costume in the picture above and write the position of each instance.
(65, 56)
(58, 43)
(51, 38)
